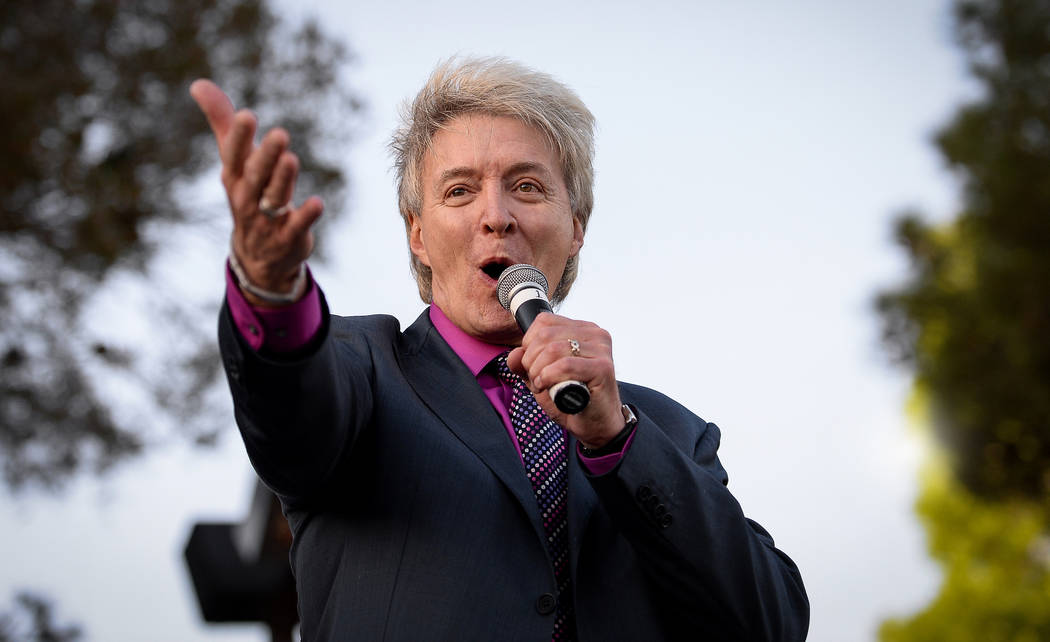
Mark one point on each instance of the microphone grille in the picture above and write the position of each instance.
(514, 276)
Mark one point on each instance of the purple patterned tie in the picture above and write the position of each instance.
(542, 444)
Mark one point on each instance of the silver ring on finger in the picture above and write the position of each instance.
(574, 347)
(266, 206)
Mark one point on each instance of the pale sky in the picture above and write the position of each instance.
(750, 159)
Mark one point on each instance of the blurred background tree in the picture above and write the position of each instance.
(974, 319)
(995, 556)
(973, 322)
(100, 151)
(33, 620)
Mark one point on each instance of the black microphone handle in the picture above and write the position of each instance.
(529, 310)
(570, 397)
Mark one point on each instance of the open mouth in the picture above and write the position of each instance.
(495, 268)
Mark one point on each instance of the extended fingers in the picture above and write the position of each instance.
(234, 132)
(302, 219)
(260, 169)
(259, 166)
(235, 148)
(281, 186)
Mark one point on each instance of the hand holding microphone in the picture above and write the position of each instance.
(522, 289)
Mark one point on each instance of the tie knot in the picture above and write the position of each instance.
(503, 370)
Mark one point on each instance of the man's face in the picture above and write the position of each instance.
(493, 196)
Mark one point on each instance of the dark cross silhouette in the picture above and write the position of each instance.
(240, 572)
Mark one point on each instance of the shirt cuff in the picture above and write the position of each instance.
(604, 464)
(284, 329)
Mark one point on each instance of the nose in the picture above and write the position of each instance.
(496, 216)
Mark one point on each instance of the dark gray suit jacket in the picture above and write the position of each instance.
(414, 519)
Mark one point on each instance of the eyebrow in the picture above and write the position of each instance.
(449, 174)
(526, 167)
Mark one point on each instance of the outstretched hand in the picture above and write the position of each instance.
(271, 237)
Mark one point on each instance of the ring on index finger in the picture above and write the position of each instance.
(574, 347)
(266, 206)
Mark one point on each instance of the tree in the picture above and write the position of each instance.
(996, 562)
(101, 144)
(33, 620)
(973, 321)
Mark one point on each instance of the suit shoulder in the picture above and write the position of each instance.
(692, 434)
(372, 326)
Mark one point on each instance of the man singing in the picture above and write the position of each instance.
(434, 489)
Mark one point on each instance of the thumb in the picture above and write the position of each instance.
(216, 105)
(514, 362)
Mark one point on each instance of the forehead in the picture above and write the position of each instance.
(487, 145)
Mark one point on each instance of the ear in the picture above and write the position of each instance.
(415, 239)
(577, 237)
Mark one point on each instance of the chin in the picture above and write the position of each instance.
(502, 330)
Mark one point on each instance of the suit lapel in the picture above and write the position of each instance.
(448, 388)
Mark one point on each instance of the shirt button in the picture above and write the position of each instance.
(545, 604)
(254, 330)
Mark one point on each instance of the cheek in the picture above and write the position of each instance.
(567, 237)
(445, 254)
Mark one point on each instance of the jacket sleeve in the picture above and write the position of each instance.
(300, 413)
(719, 570)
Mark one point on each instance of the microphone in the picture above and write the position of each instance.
(522, 289)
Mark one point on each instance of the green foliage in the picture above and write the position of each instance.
(996, 562)
(100, 143)
(974, 324)
(974, 319)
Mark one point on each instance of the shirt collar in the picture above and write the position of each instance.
(474, 352)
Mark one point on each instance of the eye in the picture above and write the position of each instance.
(529, 187)
(456, 192)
